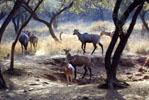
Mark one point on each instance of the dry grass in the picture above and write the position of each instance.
(46, 45)
(49, 46)
(142, 47)
(102, 26)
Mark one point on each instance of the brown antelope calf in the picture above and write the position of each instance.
(33, 41)
(69, 72)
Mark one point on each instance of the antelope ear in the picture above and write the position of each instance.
(64, 50)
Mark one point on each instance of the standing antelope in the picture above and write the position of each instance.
(33, 41)
(24, 39)
(88, 38)
(82, 61)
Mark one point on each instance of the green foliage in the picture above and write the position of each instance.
(51, 5)
(146, 7)
(84, 5)
(6, 6)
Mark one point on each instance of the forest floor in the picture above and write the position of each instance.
(42, 78)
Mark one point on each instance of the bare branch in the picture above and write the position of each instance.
(115, 12)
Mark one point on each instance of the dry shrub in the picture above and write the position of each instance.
(102, 25)
(5, 48)
(69, 27)
(139, 46)
(47, 45)
(142, 50)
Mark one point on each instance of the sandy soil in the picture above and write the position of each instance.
(42, 78)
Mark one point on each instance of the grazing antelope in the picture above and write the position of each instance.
(69, 72)
(88, 38)
(77, 60)
(33, 41)
(24, 39)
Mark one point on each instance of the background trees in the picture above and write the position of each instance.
(9, 17)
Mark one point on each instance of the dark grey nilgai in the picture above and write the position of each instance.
(88, 38)
(24, 39)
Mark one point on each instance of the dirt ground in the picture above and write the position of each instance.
(42, 78)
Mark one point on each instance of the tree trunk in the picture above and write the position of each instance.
(54, 18)
(2, 81)
(111, 65)
(10, 16)
(12, 56)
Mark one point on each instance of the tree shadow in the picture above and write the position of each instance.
(16, 72)
(113, 95)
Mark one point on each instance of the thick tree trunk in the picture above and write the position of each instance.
(2, 81)
(111, 65)
(10, 16)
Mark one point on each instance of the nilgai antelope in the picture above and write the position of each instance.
(69, 71)
(24, 39)
(33, 41)
(77, 60)
(88, 38)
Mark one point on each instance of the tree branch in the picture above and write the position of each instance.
(115, 12)
(29, 9)
(129, 10)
